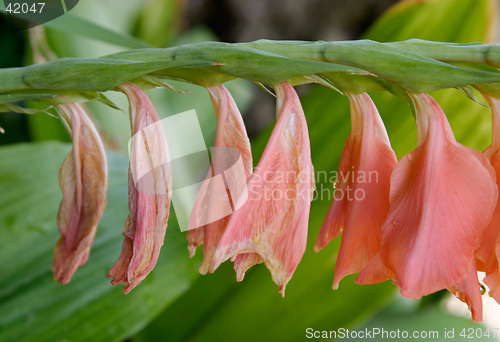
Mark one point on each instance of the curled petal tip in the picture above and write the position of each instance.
(195, 239)
(469, 292)
(243, 262)
(282, 290)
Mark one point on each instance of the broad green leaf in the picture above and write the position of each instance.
(35, 308)
(73, 24)
(158, 21)
(466, 21)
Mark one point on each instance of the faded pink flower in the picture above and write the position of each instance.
(489, 251)
(361, 200)
(273, 222)
(83, 179)
(441, 200)
(231, 133)
(149, 193)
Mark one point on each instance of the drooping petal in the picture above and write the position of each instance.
(469, 292)
(489, 251)
(83, 179)
(361, 201)
(273, 221)
(243, 262)
(442, 197)
(492, 278)
(149, 193)
(230, 134)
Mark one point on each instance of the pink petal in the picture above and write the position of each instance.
(441, 199)
(273, 221)
(149, 205)
(195, 239)
(492, 279)
(83, 179)
(231, 133)
(469, 292)
(243, 262)
(486, 251)
(489, 251)
(361, 204)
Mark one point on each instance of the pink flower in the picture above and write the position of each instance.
(441, 200)
(361, 200)
(83, 179)
(231, 133)
(149, 193)
(489, 251)
(271, 226)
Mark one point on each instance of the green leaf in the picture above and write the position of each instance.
(35, 308)
(73, 24)
(457, 21)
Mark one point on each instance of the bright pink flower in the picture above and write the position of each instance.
(361, 200)
(273, 221)
(441, 200)
(83, 179)
(231, 133)
(489, 251)
(149, 193)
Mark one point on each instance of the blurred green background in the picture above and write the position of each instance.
(175, 303)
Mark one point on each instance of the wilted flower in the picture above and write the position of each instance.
(231, 133)
(361, 201)
(149, 188)
(489, 251)
(273, 222)
(441, 200)
(83, 180)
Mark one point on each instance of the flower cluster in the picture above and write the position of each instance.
(430, 222)
(263, 229)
